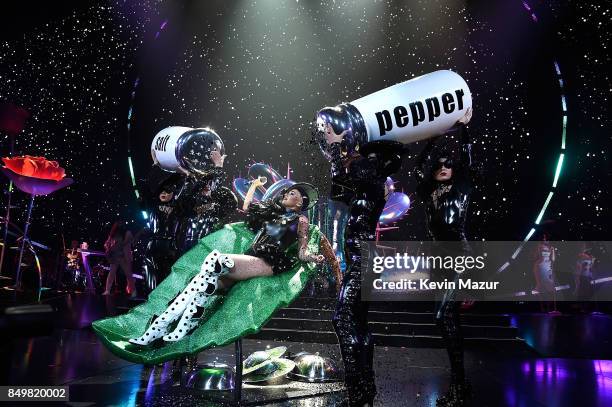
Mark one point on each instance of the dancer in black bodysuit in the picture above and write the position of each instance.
(162, 225)
(445, 189)
(358, 180)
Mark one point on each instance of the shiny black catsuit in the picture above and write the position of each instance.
(161, 251)
(276, 231)
(446, 205)
(358, 182)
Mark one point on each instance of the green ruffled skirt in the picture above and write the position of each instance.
(243, 311)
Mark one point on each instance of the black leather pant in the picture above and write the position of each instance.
(351, 325)
(351, 317)
(160, 256)
(448, 321)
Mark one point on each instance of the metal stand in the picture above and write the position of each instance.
(8, 214)
(238, 377)
(23, 243)
(554, 312)
(87, 268)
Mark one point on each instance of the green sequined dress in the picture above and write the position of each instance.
(243, 311)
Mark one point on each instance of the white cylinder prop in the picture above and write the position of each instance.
(163, 147)
(417, 109)
(185, 149)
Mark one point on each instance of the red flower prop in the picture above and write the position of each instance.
(35, 167)
(35, 175)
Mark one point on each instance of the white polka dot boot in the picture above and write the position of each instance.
(160, 325)
(203, 286)
(176, 309)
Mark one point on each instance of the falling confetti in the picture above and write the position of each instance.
(100, 82)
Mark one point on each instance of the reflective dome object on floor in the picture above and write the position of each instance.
(273, 371)
(261, 359)
(314, 369)
(211, 376)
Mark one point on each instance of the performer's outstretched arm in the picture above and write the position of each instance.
(334, 141)
(303, 253)
(466, 147)
(256, 183)
(328, 252)
(464, 139)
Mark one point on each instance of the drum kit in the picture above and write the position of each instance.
(85, 270)
(73, 277)
(77, 273)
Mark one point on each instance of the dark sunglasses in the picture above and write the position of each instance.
(448, 163)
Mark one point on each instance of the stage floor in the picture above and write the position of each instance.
(73, 356)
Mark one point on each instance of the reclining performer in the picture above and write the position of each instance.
(276, 244)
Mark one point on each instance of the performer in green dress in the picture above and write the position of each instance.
(264, 263)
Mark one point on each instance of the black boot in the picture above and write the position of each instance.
(369, 383)
(359, 390)
(458, 395)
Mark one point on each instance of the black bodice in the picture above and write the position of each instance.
(360, 178)
(162, 221)
(275, 228)
(275, 232)
(446, 211)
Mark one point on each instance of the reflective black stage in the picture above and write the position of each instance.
(70, 354)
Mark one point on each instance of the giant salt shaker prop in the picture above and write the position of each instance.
(407, 112)
(185, 149)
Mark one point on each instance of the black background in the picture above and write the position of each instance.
(258, 71)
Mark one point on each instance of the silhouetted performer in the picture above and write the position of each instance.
(445, 188)
(358, 180)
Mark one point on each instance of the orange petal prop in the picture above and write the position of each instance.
(35, 167)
